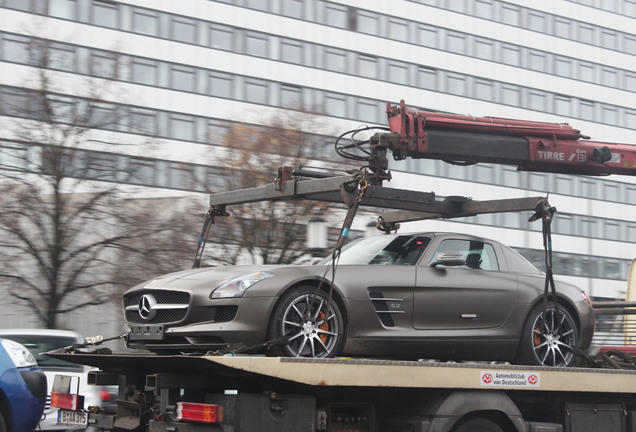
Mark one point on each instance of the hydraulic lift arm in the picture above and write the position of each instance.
(531, 146)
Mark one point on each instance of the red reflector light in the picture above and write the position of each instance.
(67, 401)
(105, 395)
(204, 413)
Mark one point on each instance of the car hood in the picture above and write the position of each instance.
(209, 276)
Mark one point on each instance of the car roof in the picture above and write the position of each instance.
(42, 332)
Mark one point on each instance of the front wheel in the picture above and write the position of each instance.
(304, 326)
(541, 344)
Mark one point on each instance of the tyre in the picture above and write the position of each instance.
(542, 345)
(478, 425)
(300, 318)
(3, 426)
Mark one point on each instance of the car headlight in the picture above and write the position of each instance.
(236, 287)
(20, 356)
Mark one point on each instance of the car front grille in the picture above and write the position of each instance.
(179, 299)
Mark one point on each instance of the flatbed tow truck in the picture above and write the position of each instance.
(239, 393)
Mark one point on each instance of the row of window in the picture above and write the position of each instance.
(370, 22)
(546, 23)
(579, 265)
(21, 49)
(622, 7)
(254, 43)
(119, 168)
(595, 188)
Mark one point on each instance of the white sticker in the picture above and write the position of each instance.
(510, 379)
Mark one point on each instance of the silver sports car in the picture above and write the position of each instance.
(401, 296)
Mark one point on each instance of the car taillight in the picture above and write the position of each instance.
(197, 412)
(67, 401)
(104, 395)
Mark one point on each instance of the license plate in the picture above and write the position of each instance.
(146, 332)
(72, 418)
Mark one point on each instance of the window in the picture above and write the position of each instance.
(62, 109)
(630, 44)
(609, 77)
(612, 230)
(61, 57)
(398, 30)
(181, 127)
(336, 15)
(256, 91)
(537, 101)
(564, 224)
(510, 177)
(510, 220)
(13, 156)
(564, 185)
(426, 78)
(66, 9)
(104, 116)
(511, 55)
(183, 30)
(562, 66)
(478, 255)
(182, 78)
(221, 37)
(484, 173)
(141, 172)
(562, 105)
(292, 8)
(484, 49)
(143, 122)
(586, 72)
(335, 60)
(258, 4)
(483, 90)
(181, 176)
(630, 192)
(216, 131)
(335, 105)
(588, 188)
(538, 182)
(510, 14)
(537, 22)
(367, 111)
(562, 28)
(456, 84)
(103, 65)
(255, 44)
(456, 43)
(398, 73)
(220, 85)
(291, 51)
(144, 73)
(609, 39)
(630, 81)
(290, 97)
(483, 9)
(588, 227)
(586, 33)
(145, 22)
(537, 61)
(105, 14)
(511, 96)
(427, 36)
(611, 192)
(586, 110)
(15, 49)
(367, 66)
(367, 22)
(630, 119)
(609, 115)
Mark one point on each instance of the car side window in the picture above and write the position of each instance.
(478, 255)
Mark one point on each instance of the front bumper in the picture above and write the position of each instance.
(198, 332)
(25, 389)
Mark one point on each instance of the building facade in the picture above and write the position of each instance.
(181, 73)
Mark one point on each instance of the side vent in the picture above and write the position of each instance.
(382, 309)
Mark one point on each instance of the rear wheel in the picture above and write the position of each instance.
(305, 326)
(3, 426)
(541, 344)
(478, 425)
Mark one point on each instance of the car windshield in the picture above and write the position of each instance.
(383, 250)
(39, 344)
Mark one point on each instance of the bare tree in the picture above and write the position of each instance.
(61, 217)
(266, 232)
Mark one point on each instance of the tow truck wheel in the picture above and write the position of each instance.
(541, 344)
(478, 425)
(301, 325)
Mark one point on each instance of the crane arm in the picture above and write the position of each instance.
(532, 146)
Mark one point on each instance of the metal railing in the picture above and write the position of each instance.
(615, 323)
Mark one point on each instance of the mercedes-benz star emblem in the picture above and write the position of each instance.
(147, 302)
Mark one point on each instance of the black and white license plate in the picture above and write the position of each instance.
(72, 418)
(146, 332)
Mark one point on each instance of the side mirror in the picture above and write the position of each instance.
(449, 258)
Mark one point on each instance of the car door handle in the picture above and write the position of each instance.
(469, 316)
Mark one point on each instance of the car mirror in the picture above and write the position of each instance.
(449, 258)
